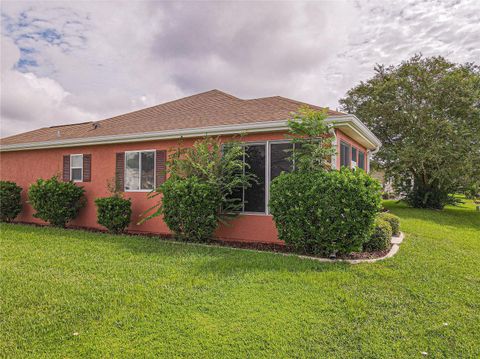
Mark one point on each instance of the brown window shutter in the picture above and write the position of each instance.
(87, 168)
(119, 171)
(161, 167)
(66, 168)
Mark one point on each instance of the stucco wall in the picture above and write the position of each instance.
(25, 167)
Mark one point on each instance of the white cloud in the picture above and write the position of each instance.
(82, 59)
(29, 101)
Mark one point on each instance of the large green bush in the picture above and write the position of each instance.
(380, 238)
(325, 212)
(10, 201)
(393, 220)
(55, 201)
(190, 207)
(114, 213)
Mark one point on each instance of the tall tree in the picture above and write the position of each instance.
(426, 111)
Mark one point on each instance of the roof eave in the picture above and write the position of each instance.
(266, 126)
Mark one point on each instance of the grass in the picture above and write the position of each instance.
(141, 297)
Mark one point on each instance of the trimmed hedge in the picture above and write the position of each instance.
(55, 201)
(393, 220)
(380, 238)
(10, 200)
(190, 206)
(114, 213)
(325, 213)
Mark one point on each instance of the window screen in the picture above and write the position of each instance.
(344, 154)
(254, 196)
(361, 160)
(280, 154)
(354, 156)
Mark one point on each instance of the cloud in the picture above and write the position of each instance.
(27, 99)
(74, 61)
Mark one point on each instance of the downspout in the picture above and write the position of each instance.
(333, 161)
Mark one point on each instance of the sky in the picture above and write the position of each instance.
(67, 62)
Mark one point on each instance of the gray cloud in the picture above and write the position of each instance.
(68, 62)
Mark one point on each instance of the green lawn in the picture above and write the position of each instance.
(136, 297)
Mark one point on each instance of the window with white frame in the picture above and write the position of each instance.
(139, 170)
(266, 161)
(76, 168)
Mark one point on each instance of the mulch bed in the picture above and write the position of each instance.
(282, 248)
(258, 246)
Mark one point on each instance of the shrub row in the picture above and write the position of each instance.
(323, 213)
(58, 202)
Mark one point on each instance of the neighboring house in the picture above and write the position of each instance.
(387, 183)
(134, 147)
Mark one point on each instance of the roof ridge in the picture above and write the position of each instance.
(169, 102)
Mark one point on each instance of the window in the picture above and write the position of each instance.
(76, 168)
(254, 196)
(361, 160)
(266, 161)
(344, 154)
(354, 157)
(280, 154)
(139, 170)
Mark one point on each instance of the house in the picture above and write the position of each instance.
(133, 149)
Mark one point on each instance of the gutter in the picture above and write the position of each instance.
(266, 126)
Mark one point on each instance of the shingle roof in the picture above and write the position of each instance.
(211, 108)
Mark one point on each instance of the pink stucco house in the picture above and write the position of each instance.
(133, 148)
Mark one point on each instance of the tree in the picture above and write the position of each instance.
(426, 112)
(313, 142)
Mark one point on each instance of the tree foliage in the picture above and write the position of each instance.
(313, 144)
(426, 112)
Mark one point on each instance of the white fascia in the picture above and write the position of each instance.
(267, 126)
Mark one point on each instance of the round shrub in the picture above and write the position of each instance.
(56, 202)
(393, 220)
(380, 238)
(325, 212)
(114, 213)
(10, 201)
(189, 207)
